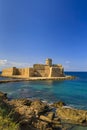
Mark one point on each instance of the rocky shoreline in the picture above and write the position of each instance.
(38, 115)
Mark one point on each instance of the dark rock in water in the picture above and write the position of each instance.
(3, 96)
(58, 104)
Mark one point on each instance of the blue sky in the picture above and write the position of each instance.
(33, 30)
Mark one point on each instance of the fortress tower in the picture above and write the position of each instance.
(49, 62)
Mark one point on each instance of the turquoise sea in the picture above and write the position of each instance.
(72, 92)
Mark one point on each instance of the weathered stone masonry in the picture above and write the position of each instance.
(38, 70)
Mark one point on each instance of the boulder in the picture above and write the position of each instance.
(73, 115)
(3, 96)
(39, 107)
(51, 115)
(53, 124)
(58, 104)
(21, 102)
(45, 118)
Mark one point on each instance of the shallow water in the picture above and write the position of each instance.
(72, 92)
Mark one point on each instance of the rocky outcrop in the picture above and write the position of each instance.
(37, 115)
(72, 115)
(3, 96)
(58, 104)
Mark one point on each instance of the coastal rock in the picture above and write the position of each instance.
(39, 107)
(44, 123)
(45, 118)
(58, 104)
(20, 102)
(72, 115)
(22, 107)
(37, 115)
(3, 96)
(4, 104)
(51, 115)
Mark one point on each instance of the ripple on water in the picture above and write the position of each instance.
(72, 92)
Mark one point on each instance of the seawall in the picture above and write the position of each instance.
(19, 78)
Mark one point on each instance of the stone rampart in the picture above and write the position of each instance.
(56, 72)
(9, 71)
(41, 70)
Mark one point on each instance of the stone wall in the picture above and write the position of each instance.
(29, 72)
(20, 71)
(56, 72)
(9, 71)
(41, 70)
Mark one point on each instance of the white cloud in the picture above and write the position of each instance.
(5, 63)
(67, 62)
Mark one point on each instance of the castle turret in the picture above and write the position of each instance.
(49, 62)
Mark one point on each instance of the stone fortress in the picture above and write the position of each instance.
(38, 70)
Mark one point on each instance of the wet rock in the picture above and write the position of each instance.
(58, 104)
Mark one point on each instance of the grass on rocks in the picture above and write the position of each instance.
(6, 123)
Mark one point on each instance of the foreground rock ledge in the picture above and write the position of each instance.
(37, 115)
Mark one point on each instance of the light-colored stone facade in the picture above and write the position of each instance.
(38, 70)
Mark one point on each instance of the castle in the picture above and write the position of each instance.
(38, 70)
